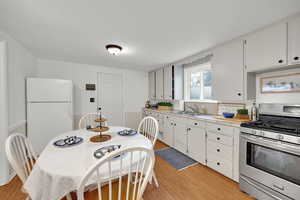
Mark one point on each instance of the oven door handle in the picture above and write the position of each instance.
(295, 149)
(256, 187)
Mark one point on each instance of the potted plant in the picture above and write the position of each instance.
(242, 114)
(164, 106)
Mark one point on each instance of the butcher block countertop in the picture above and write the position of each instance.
(203, 117)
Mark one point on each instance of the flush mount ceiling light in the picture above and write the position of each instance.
(113, 49)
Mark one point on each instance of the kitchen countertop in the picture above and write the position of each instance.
(202, 117)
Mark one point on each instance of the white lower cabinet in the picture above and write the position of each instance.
(221, 152)
(220, 165)
(197, 144)
(180, 137)
(211, 144)
(168, 132)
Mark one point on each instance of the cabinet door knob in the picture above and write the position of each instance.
(218, 163)
(296, 58)
(218, 150)
(219, 129)
(196, 123)
(174, 124)
(280, 61)
(239, 94)
(218, 138)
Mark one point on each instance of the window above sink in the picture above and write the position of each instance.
(198, 82)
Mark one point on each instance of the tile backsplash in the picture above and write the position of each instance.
(232, 108)
(211, 108)
(202, 107)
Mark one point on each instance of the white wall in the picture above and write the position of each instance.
(20, 64)
(293, 97)
(135, 86)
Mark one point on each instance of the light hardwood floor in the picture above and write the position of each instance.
(195, 183)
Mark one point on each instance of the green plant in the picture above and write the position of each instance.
(242, 111)
(165, 104)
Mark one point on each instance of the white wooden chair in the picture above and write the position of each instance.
(134, 163)
(89, 120)
(20, 154)
(149, 128)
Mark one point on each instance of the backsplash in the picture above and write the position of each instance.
(211, 108)
(228, 107)
(202, 107)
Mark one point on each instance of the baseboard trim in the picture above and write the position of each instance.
(6, 181)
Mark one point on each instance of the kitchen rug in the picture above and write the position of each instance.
(175, 158)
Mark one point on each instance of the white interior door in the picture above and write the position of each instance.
(110, 96)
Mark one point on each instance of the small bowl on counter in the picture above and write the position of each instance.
(228, 115)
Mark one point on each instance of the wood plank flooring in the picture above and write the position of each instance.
(195, 183)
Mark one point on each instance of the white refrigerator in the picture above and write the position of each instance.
(49, 110)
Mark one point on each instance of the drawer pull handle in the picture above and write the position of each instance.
(218, 150)
(218, 138)
(278, 187)
(218, 163)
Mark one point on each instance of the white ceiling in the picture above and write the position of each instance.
(153, 32)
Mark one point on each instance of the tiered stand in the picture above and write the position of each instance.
(100, 129)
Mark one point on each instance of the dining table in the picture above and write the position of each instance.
(59, 170)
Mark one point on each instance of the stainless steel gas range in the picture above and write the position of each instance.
(270, 153)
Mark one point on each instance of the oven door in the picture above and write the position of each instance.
(272, 163)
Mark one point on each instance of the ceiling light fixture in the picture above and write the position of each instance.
(113, 49)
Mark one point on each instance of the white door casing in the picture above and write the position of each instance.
(4, 168)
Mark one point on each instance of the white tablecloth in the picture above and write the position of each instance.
(59, 170)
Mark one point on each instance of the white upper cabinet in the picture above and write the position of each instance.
(168, 86)
(294, 41)
(267, 48)
(152, 85)
(228, 72)
(159, 77)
